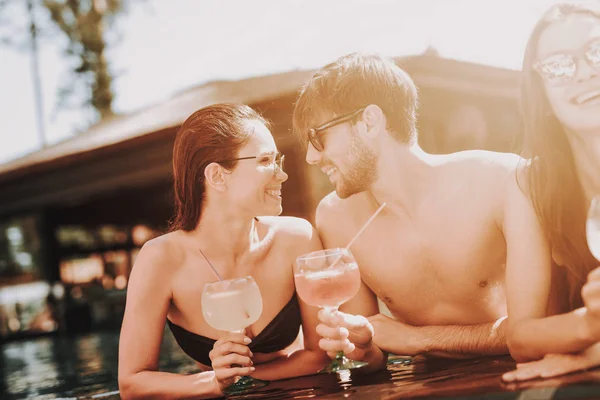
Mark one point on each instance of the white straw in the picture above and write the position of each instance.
(360, 232)
(365, 225)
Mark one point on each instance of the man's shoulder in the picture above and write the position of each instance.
(330, 203)
(289, 226)
(483, 165)
(337, 211)
(488, 160)
(295, 235)
(519, 186)
(334, 204)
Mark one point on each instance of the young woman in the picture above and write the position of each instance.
(550, 317)
(227, 171)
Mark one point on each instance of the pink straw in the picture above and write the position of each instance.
(209, 263)
(219, 276)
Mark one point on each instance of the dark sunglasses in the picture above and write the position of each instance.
(315, 133)
(559, 69)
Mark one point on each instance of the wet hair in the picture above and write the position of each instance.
(211, 134)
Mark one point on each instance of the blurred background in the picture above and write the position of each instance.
(92, 93)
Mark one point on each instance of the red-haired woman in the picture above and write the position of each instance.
(227, 183)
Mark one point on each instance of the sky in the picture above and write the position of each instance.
(166, 46)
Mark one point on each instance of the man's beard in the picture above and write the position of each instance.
(361, 174)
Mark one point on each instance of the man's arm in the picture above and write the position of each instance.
(349, 330)
(360, 330)
(453, 341)
(470, 340)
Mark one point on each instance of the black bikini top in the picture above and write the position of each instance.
(277, 335)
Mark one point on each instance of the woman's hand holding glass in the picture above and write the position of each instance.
(231, 358)
(590, 293)
(231, 306)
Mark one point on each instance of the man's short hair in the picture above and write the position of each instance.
(355, 81)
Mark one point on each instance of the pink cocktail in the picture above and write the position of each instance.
(330, 287)
(328, 278)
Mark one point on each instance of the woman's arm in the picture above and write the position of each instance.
(531, 334)
(148, 299)
(553, 365)
(311, 359)
(559, 364)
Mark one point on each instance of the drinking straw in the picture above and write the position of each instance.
(246, 313)
(360, 232)
(365, 226)
(209, 263)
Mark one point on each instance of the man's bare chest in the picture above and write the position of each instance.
(441, 262)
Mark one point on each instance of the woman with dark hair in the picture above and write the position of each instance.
(552, 316)
(227, 171)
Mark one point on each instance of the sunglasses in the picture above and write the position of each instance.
(314, 134)
(559, 69)
(276, 160)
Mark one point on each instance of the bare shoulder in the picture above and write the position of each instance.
(484, 161)
(518, 187)
(293, 232)
(163, 252)
(293, 227)
(336, 218)
(334, 210)
(488, 171)
(328, 208)
(522, 173)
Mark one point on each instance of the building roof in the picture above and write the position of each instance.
(167, 114)
(428, 70)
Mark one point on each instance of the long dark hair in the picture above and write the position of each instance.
(552, 181)
(213, 133)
